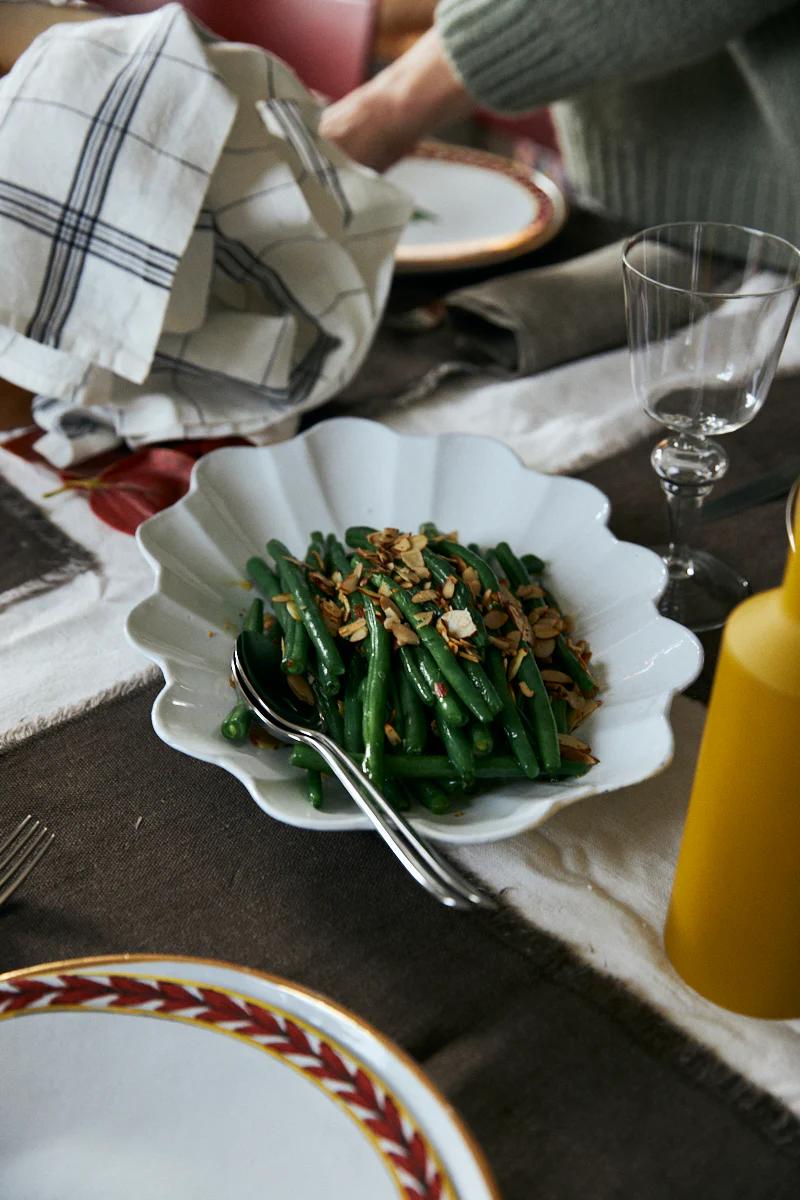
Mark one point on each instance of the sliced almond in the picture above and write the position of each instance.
(449, 587)
(566, 739)
(413, 559)
(282, 598)
(495, 618)
(418, 541)
(331, 615)
(404, 635)
(402, 544)
(293, 610)
(546, 629)
(523, 687)
(516, 662)
(346, 631)
(550, 676)
(470, 577)
(423, 596)
(359, 635)
(423, 618)
(544, 647)
(527, 591)
(392, 736)
(301, 688)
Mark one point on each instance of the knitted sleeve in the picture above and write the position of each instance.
(515, 55)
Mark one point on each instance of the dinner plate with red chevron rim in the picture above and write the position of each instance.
(147, 1078)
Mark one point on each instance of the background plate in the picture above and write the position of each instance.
(482, 208)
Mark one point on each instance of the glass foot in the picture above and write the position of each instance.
(701, 592)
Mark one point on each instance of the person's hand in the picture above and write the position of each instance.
(383, 119)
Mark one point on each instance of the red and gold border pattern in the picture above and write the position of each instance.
(403, 1148)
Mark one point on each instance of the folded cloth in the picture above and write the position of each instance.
(183, 256)
(513, 325)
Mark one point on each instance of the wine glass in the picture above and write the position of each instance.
(708, 308)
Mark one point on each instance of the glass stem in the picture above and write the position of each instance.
(688, 467)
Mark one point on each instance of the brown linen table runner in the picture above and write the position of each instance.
(571, 1085)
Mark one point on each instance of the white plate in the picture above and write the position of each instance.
(355, 472)
(475, 208)
(235, 1084)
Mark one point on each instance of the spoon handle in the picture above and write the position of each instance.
(420, 859)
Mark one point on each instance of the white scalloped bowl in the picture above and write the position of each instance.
(355, 472)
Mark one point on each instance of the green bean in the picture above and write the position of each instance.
(396, 794)
(571, 665)
(295, 639)
(254, 617)
(482, 740)
(440, 571)
(409, 659)
(293, 578)
(445, 701)
(533, 564)
(316, 556)
(314, 789)
(477, 676)
(486, 575)
(513, 569)
(540, 712)
(510, 718)
(458, 745)
(432, 797)
(445, 660)
(413, 718)
(439, 767)
(559, 706)
(378, 653)
(356, 536)
(354, 707)
(337, 556)
(263, 651)
(329, 708)
(236, 725)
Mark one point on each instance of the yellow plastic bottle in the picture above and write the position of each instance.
(733, 928)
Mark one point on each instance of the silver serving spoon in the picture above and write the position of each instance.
(285, 722)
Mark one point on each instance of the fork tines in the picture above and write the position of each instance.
(20, 853)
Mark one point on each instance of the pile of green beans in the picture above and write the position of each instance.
(421, 658)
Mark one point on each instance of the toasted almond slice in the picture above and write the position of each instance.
(470, 655)
(504, 644)
(384, 589)
(470, 577)
(514, 638)
(331, 615)
(402, 544)
(495, 618)
(523, 687)
(550, 676)
(293, 610)
(413, 559)
(359, 635)
(486, 598)
(516, 662)
(545, 647)
(282, 598)
(392, 736)
(301, 688)
(449, 587)
(423, 618)
(422, 597)
(346, 630)
(566, 739)
(527, 591)
(350, 583)
(459, 623)
(582, 756)
(545, 630)
(404, 635)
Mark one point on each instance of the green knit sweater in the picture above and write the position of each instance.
(667, 109)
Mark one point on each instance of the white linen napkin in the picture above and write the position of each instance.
(183, 256)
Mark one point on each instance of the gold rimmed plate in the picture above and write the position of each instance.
(472, 208)
(230, 1082)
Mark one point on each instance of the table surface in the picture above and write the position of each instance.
(571, 1085)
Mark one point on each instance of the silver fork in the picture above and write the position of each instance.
(20, 853)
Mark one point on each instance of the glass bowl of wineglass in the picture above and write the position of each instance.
(708, 308)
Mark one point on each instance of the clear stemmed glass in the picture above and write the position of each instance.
(708, 309)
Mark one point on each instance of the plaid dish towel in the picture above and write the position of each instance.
(182, 255)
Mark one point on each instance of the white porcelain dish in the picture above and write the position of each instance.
(350, 471)
(230, 1083)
